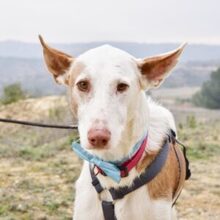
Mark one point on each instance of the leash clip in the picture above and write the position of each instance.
(124, 171)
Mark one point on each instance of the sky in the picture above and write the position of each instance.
(149, 21)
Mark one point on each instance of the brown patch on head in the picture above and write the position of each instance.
(75, 72)
(168, 182)
(58, 63)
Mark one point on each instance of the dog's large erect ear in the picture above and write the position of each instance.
(155, 69)
(58, 63)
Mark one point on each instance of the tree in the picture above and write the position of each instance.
(12, 93)
(209, 95)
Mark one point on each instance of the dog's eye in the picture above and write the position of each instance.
(83, 86)
(121, 87)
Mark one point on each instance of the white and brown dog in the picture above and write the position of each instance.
(107, 88)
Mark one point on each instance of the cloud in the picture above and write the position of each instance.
(118, 20)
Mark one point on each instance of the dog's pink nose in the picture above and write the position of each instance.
(98, 138)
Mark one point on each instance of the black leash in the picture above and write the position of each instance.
(36, 124)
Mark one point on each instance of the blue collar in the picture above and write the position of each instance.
(110, 168)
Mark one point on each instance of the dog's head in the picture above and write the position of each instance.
(105, 85)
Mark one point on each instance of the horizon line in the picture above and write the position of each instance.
(114, 41)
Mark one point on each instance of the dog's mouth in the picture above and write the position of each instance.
(97, 148)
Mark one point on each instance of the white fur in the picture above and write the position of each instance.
(105, 67)
(138, 202)
(128, 116)
(134, 206)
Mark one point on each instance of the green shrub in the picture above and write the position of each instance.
(191, 121)
(209, 96)
(12, 93)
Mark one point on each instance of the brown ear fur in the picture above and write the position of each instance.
(155, 68)
(57, 62)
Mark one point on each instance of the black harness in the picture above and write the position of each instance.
(150, 172)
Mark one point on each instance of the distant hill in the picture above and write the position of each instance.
(30, 73)
(23, 62)
(192, 53)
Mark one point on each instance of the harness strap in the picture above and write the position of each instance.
(183, 163)
(95, 181)
(188, 171)
(149, 173)
(108, 207)
(108, 210)
(182, 174)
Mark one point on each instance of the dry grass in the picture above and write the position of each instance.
(38, 169)
(200, 199)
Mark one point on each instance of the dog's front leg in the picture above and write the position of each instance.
(87, 204)
(162, 209)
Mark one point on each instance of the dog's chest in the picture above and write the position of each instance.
(136, 205)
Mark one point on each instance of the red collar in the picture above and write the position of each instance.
(128, 165)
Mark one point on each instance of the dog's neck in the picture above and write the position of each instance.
(138, 125)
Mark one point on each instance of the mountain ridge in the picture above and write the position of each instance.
(23, 63)
(193, 52)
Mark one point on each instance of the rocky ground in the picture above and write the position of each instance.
(38, 169)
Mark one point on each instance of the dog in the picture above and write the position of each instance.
(108, 97)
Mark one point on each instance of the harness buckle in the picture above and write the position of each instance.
(124, 171)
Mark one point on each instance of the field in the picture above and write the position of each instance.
(38, 168)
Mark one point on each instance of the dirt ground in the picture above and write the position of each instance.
(38, 168)
(200, 199)
(43, 190)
